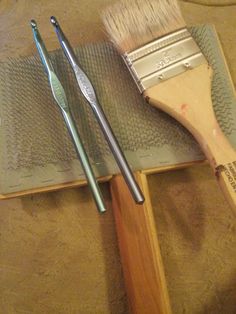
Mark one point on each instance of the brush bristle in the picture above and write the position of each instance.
(134, 23)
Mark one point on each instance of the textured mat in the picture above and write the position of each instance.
(36, 150)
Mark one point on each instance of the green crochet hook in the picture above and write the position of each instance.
(60, 97)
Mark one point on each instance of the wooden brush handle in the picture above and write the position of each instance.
(187, 98)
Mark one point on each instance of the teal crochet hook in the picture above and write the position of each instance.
(60, 97)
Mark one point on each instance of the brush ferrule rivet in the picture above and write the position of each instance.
(128, 62)
(187, 65)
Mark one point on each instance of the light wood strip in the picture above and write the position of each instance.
(52, 188)
(139, 248)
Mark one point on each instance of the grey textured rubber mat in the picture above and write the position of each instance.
(36, 149)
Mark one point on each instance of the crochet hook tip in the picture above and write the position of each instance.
(54, 21)
(33, 24)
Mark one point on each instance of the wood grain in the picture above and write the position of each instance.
(140, 251)
(190, 103)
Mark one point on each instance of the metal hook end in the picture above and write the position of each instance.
(54, 21)
(33, 24)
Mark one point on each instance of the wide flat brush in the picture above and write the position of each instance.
(172, 74)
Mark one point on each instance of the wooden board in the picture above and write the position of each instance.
(79, 183)
(139, 248)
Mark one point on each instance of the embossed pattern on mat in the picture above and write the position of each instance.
(35, 143)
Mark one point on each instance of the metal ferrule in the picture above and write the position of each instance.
(163, 59)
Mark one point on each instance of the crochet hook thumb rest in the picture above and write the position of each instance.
(88, 92)
(61, 100)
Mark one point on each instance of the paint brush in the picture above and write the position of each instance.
(173, 75)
